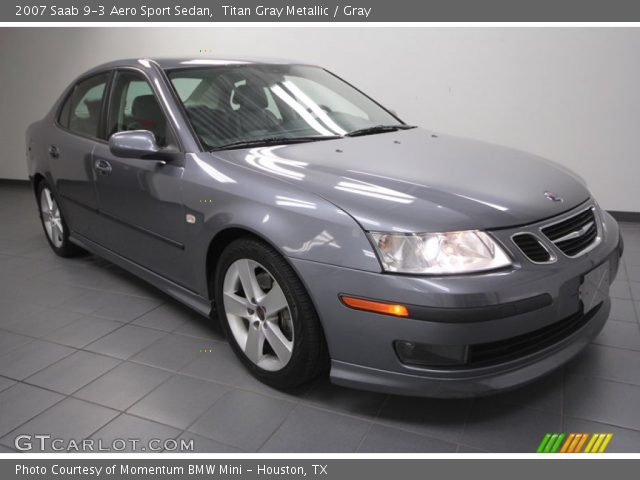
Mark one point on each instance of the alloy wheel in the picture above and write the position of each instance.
(258, 314)
(51, 217)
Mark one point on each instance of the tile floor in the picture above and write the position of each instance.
(88, 351)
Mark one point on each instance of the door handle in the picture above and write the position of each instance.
(102, 167)
(54, 152)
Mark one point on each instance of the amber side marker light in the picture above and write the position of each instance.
(373, 306)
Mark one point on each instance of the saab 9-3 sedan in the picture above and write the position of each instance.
(324, 233)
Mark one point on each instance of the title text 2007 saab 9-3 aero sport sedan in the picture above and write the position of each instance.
(324, 232)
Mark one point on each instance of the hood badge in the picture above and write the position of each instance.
(554, 197)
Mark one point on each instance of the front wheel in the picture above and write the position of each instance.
(268, 316)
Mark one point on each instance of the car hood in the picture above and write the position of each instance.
(416, 181)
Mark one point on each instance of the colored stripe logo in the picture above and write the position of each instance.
(574, 443)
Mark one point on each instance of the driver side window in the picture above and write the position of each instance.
(135, 107)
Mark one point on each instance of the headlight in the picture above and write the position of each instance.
(439, 253)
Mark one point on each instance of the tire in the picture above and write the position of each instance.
(53, 222)
(283, 347)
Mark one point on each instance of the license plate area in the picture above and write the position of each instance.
(594, 288)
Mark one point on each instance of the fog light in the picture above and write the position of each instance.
(424, 355)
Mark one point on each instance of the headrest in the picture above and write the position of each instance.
(94, 107)
(248, 96)
(146, 107)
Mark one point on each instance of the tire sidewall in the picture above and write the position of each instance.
(67, 248)
(256, 251)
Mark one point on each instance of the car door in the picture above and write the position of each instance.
(140, 199)
(70, 146)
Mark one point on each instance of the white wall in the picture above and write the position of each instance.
(570, 94)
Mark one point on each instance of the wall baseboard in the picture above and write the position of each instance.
(625, 216)
(13, 181)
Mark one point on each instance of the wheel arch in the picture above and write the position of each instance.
(224, 238)
(35, 182)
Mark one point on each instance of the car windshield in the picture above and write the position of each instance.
(233, 105)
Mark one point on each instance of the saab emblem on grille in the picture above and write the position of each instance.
(554, 197)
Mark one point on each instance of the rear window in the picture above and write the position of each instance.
(82, 109)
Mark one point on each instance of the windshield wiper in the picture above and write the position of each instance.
(272, 141)
(378, 129)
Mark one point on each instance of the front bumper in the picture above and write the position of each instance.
(465, 310)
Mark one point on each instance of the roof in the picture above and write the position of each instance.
(181, 62)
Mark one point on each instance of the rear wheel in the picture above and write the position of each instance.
(53, 223)
(268, 316)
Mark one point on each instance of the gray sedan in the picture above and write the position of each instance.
(324, 233)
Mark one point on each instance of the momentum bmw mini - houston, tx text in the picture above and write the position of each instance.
(323, 232)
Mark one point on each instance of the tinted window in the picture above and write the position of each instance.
(81, 111)
(135, 107)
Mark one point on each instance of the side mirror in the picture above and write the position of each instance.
(135, 144)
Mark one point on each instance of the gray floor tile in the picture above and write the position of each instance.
(222, 366)
(620, 335)
(631, 260)
(22, 402)
(26, 360)
(543, 394)
(499, 427)
(166, 317)
(608, 363)
(6, 383)
(10, 341)
(126, 341)
(439, 418)
(44, 294)
(623, 440)
(123, 386)
(148, 436)
(333, 397)
(20, 266)
(69, 419)
(179, 401)
(127, 308)
(87, 301)
(43, 323)
(73, 372)
(83, 331)
(205, 445)
(309, 430)
(78, 276)
(633, 273)
(173, 352)
(620, 289)
(12, 311)
(602, 401)
(202, 328)
(635, 290)
(381, 439)
(622, 310)
(243, 419)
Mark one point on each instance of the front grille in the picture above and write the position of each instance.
(574, 234)
(515, 347)
(532, 248)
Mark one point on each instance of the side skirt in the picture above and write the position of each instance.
(180, 293)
